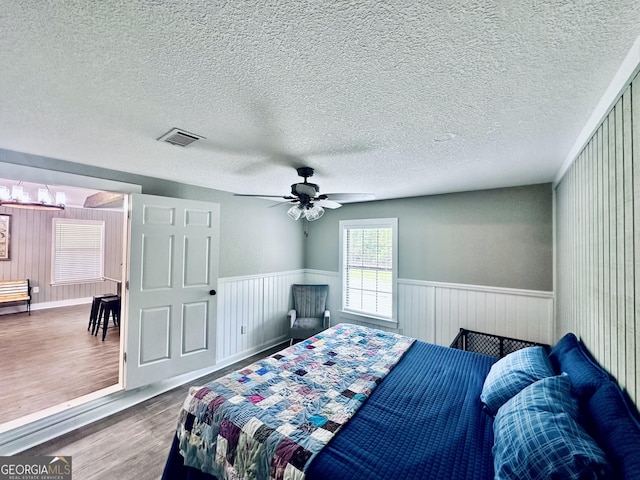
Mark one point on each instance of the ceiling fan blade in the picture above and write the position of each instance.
(284, 202)
(261, 196)
(349, 197)
(280, 200)
(327, 204)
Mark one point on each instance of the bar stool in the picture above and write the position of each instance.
(95, 310)
(110, 308)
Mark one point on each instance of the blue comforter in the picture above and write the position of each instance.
(424, 420)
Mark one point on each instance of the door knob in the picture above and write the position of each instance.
(212, 292)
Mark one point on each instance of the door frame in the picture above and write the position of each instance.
(41, 175)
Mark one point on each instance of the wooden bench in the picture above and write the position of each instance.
(16, 291)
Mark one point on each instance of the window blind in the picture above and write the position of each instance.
(368, 264)
(78, 251)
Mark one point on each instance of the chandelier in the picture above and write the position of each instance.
(22, 197)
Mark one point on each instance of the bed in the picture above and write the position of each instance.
(402, 408)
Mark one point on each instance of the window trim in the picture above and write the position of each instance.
(62, 220)
(356, 315)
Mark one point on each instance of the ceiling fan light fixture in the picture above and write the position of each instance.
(313, 212)
(295, 212)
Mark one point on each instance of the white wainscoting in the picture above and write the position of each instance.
(508, 312)
(429, 311)
(259, 303)
(434, 311)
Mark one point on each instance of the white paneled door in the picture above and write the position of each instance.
(173, 276)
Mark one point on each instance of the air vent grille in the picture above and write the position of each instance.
(179, 137)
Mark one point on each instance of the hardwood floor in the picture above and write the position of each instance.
(132, 444)
(49, 358)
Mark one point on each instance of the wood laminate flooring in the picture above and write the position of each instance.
(48, 358)
(132, 444)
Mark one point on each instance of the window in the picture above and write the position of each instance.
(78, 251)
(369, 267)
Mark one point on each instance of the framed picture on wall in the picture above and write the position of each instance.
(5, 230)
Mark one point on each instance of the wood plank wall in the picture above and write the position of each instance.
(30, 251)
(598, 243)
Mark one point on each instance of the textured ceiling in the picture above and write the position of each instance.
(363, 91)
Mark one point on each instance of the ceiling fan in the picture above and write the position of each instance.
(308, 202)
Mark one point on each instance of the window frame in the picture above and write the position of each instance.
(359, 315)
(54, 249)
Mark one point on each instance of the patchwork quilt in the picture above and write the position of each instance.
(269, 420)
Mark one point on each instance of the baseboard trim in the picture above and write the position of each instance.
(45, 305)
(61, 303)
(247, 353)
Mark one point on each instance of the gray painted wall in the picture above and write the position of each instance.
(500, 237)
(254, 239)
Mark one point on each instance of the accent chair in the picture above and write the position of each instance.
(309, 315)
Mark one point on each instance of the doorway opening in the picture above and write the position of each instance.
(52, 358)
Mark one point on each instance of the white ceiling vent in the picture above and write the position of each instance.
(179, 137)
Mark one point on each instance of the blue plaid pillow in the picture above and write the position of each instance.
(536, 436)
(512, 373)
